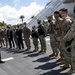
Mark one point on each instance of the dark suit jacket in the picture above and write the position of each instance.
(10, 33)
(19, 33)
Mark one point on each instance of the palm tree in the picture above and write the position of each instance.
(2, 23)
(22, 17)
(32, 17)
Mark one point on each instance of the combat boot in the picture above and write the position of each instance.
(52, 55)
(65, 66)
(44, 51)
(29, 48)
(56, 55)
(71, 71)
(60, 59)
(40, 51)
(35, 50)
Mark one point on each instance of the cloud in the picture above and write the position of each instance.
(11, 16)
(0, 4)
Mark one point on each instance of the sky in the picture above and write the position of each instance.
(11, 10)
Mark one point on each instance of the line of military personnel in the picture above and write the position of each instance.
(13, 37)
(62, 37)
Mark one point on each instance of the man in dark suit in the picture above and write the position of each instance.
(10, 37)
(19, 37)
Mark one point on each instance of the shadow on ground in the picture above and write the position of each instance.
(43, 59)
(47, 66)
(54, 72)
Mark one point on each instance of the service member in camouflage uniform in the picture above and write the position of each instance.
(2, 37)
(69, 43)
(65, 27)
(34, 35)
(51, 31)
(41, 33)
(1, 45)
(27, 33)
(15, 38)
(5, 37)
(58, 22)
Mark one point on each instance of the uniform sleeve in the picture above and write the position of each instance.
(65, 27)
(30, 32)
(70, 35)
(50, 27)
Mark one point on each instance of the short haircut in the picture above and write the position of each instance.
(38, 20)
(25, 23)
(8, 26)
(56, 12)
(18, 26)
(64, 10)
(61, 9)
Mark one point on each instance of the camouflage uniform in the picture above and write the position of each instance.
(51, 31)
(6, 39)
(27, 33)
(69, 39)
(42, 33)
(65, 27)
(15, 38)
(2, 37)
(35, 38)
(58, 23)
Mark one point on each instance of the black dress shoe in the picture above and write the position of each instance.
(2, 61)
